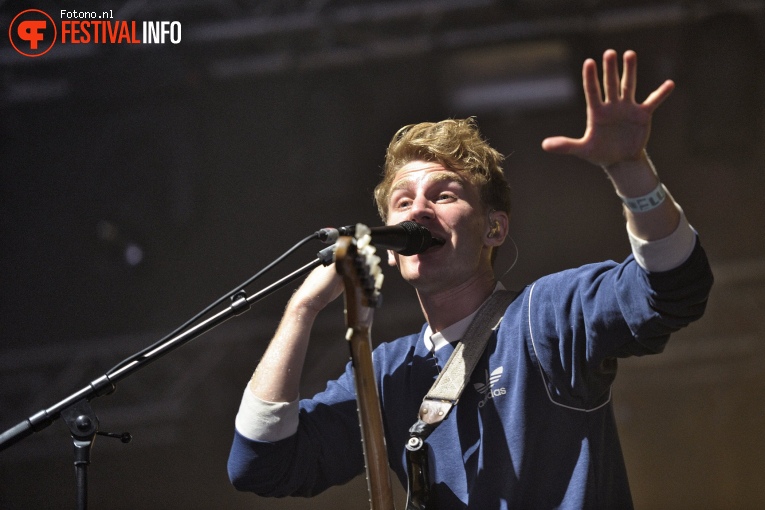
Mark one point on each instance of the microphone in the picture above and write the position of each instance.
(406, 238)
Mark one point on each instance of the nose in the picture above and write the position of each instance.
(422, 209)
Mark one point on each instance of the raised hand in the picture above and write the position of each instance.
(617, 127)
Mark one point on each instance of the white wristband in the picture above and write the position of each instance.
(646, 202)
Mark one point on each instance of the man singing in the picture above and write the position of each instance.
(549, 438)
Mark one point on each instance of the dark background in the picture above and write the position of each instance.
(139, 183)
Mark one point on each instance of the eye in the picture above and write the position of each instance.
(446, 197)
(402, 203)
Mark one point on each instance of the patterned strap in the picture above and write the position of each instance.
(446, 391)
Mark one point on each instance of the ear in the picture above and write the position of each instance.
(391, 259)
(497, 229)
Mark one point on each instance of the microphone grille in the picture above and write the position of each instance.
(419, 238)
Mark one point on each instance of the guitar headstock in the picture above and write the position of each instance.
(359, 265)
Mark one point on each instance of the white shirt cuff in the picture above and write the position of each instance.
(260, 420)
(667, 253)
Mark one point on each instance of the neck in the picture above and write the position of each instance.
(444, 308)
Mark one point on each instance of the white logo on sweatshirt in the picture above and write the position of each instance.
(487, 388)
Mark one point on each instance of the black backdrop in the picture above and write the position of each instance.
(140, 184)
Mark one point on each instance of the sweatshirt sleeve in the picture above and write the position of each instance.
(275, 461)
(581, 320)
(664, 254)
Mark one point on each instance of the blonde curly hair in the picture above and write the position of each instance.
(457, 145)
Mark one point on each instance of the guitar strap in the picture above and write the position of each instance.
(445, 393)
(446, 390)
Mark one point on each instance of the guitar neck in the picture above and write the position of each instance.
(359, 266)
(370, 420)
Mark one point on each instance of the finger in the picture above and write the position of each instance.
(610, 76)
(590, 83)
(629, 76)
(659, 95)
(560, 145)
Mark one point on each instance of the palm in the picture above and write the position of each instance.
(617, 127)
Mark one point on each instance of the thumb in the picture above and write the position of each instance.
(559, 145)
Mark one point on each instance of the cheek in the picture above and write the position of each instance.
(469, 224)
(393, 218)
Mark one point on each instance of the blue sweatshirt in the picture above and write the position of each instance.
(534, 429)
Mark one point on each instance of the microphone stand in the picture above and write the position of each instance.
(77, 411)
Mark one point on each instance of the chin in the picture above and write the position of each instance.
(421, 279)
